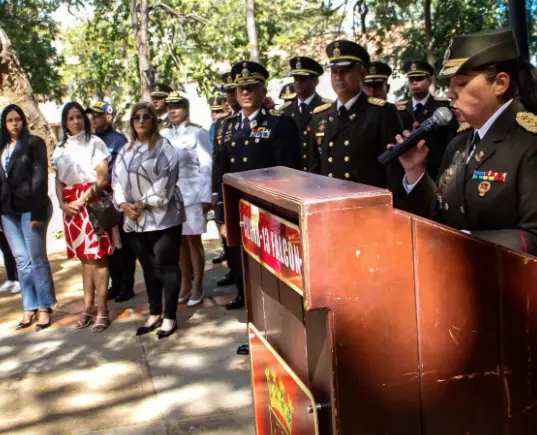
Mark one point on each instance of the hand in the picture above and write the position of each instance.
(414, 160)
(214, 202)
(70, 209)
(130, 210)
(36, 224)
(206, 206)
(223, 231)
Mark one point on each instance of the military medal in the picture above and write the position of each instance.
(498, 177)
(483, 188)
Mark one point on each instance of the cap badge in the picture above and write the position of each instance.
(336, 52)
(414, 67)
(245, 72)
(373, 70)
(298, 64)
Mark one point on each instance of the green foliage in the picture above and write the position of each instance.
(32, 32)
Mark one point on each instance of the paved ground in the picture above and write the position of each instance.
(62, 381)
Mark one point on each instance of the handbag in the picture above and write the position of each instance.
(102, 213)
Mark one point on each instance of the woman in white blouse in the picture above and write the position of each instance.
(195, 166)
(145, 188)
(81, 163)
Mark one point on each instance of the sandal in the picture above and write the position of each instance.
(80, 325)
(100, 327)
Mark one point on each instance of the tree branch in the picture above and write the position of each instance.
(174, 13)
(5, 47)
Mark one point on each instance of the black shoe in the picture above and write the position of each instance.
(23, 325)
(41, 326)
(243, 349)
(236, 303)
(147, 329)
(164, 334)
(226, 280)
(112, 293)
(124, 296)
(221, 257)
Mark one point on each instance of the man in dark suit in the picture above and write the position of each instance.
(376, 80)
(421, 106)
(349, 134)
(159, 93)
(253, 139)
(306, 73)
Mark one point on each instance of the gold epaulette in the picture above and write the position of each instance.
(322, 108)
(275, 112)
(527, 120)
(196, 125)
(401, 105)
(464, 127)
(327, 101)
(376, 101)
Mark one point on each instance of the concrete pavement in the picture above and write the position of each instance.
(62, 381)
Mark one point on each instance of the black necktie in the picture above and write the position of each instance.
(302, 107)
(418, 109)
(245, 124)
(342, 110)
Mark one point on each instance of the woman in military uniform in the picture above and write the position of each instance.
(488, 177)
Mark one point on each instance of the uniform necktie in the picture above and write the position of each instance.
(302, 107)
(418, 109)
(245, 124)
(342, 110)
(473, 145)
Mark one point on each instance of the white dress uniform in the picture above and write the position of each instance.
(195, 170)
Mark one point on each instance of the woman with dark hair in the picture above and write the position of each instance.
(81, 163)
(195, 167)
(26, 211)
(145, 188)
(488, 180)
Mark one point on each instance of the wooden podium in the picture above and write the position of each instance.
(364, 319)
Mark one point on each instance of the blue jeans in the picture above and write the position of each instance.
(29, 247)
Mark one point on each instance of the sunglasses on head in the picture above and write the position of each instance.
(143, 117)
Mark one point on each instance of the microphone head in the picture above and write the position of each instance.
(442, 116)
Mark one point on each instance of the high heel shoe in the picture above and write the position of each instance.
(24, 325)
(41, 326)
(164, 334)
(183, 299)
(147, 329)
(194, 302)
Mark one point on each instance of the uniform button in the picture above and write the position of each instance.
(232, 159)
(462, 209)
(446, 206)
(331, 144)
(346, 143)
(305, 168)
(330, 174)
(305, 156)
(233, 144)
(245, 159)
(347, 175)
(346, 158)
(330, 159)
(245, 142)
(305, 132)
(305, 144)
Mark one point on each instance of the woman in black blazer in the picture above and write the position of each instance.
(26, 209)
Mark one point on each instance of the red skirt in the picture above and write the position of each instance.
(82, 241)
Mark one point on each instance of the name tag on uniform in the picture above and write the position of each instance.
(319, 134)
(260, 132)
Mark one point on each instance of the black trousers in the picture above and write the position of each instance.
(158, 252)
(234, 262)
(9, 260)
(122, 265)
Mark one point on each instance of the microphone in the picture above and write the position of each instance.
(441, 117)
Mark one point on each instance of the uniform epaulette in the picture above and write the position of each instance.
(327, 101)
(284, 106)
(401, 105)
(527, 121)
(322, 108)
(196, 125)
(276, 112)
(376, 101)
(464, 127)
(234, 115)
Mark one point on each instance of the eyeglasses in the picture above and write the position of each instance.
(144, 117)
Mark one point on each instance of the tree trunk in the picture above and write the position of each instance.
(15, 88)
(139, 25)
(363, 13)
(252, 32)
(429, 34)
